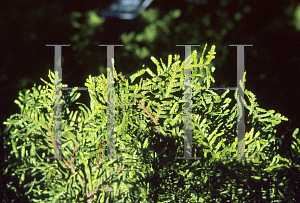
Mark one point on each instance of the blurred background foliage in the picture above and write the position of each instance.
(272, 64)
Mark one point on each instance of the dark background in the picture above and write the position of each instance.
(272, 64)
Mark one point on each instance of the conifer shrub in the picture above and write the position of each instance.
(149, 134)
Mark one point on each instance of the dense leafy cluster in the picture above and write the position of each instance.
(149, 134)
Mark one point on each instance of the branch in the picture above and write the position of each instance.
(70, 166)
(92, 193)
(35, 121)
(89, 195)
(151, 116)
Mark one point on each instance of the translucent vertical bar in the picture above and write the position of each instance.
(240, 103)
(110, 103)
(58, 101)
(187, 106)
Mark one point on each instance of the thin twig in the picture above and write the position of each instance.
(70, 166)
(151, 116)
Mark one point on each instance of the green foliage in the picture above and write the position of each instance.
(149, 112)
(178, 26)
(297, 18)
